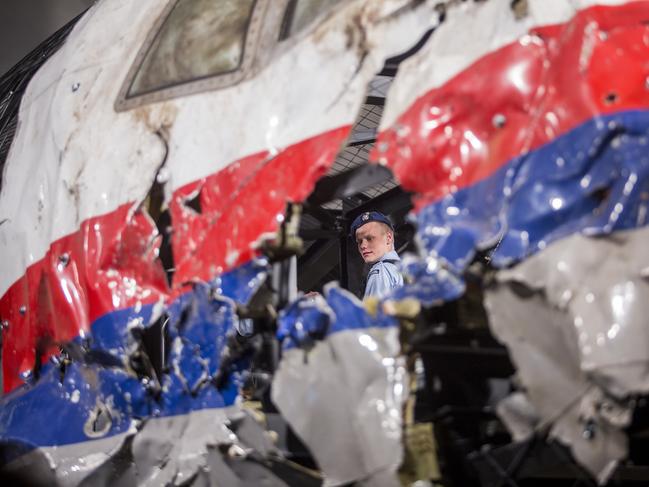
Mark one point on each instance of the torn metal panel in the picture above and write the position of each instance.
(349, 387)
(304, 321)
(519, 415)
(598, 283)
(71, 465)
(519, 143)
(442, 59)
(171, 450)
(82, 404)
(577, 312)
(90, 404)
(103, 390)
(460, 146)
(551, 146)
(163, 451)
(242, 283)
(227, 161)
(224, 232)
(89, 191)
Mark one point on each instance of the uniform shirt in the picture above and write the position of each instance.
(383, 276)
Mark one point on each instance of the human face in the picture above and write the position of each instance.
(374, 241)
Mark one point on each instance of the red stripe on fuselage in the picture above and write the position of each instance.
(233, 217)
(112, 261)
(518, 98)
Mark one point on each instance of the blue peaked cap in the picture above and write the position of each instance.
(369, 216)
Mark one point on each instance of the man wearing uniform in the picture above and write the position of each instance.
(374, 236)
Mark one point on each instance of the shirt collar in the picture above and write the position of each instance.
(392, 255)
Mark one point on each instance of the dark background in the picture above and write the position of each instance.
(26, 23)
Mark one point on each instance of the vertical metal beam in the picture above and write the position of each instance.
(348, 205)
(344, 276)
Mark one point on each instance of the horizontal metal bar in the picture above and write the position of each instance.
(318, 233)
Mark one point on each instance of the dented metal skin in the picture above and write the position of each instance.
(525, 145)
(343, 394)
(98, 395)
(86, 181)
(580, 309)
(528, 142)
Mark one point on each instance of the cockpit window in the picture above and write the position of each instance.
(198, 39)
(301, 13)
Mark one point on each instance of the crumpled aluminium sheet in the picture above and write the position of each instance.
(509, 163)
(79, 228)
(97, 422)
(83, 268)
(100, 397)
(343, 394)
(529, 136)
(574, 318)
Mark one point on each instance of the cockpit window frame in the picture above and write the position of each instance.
(199, 85)
(266, 37)
(287, 31)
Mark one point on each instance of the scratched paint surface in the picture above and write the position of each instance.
(341, 372)
(82, 235)
(530, 135)
(87, 278)
(533, 134)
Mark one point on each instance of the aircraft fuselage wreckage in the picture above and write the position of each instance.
(170, 192)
